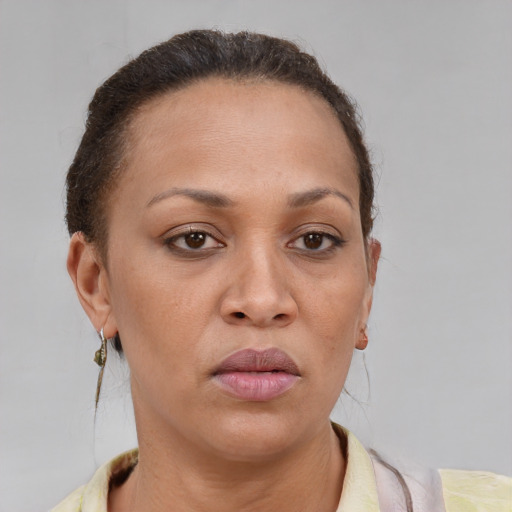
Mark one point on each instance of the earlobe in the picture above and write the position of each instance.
(362, 342)
(91, 283)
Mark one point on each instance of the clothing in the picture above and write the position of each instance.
(463, 491)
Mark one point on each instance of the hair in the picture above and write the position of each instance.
(183, 60)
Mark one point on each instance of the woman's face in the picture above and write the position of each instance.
(236, 275)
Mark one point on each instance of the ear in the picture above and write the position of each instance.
(90, 278)
(373, 255)
(374, 250)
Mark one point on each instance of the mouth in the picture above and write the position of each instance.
(257, 376)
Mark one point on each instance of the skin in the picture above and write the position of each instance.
(281, 164)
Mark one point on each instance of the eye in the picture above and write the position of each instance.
(313, 240)
(316, 241)
(195, 240)
(192, 240)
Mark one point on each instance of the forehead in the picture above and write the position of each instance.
(249, 130)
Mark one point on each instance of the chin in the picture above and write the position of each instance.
(257, 435)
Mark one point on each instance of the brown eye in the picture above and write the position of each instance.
(317, 243)
(313, 240)
(195, 240)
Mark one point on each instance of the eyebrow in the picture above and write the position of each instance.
(211, 199)
(308, 197)
(217, 200)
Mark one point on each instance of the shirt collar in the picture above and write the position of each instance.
(359, 492)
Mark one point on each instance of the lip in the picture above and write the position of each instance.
(257, 375)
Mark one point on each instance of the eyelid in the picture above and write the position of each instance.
(322, 229)
(192, 227)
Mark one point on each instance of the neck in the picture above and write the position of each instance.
(173, 471)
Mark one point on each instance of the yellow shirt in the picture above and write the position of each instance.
(463, 491)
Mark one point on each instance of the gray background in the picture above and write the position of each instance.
(433, 79)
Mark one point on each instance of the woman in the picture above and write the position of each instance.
(220, 207)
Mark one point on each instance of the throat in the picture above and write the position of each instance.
(298, 482)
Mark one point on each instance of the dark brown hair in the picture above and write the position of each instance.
(174, 64)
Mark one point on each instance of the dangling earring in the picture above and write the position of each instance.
(100, 358)
(363, 339)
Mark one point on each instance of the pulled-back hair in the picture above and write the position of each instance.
(174, 64)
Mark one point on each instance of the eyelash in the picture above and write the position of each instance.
(200, 251)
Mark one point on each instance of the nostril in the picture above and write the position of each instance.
(239, 314)
(279, 316)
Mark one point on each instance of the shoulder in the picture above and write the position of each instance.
(93, 496)
(475, 491)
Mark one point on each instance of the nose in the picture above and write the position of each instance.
(259, 292)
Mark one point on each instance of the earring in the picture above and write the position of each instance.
(363, 339)
(100, 358)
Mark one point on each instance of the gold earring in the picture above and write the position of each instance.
(100, 358)
(363, 340)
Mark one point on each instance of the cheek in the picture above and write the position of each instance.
(159, 317)
(336, 308)
(335, 313)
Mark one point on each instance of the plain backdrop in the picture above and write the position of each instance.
(433, 79)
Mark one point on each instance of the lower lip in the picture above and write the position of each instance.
(256, 386)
